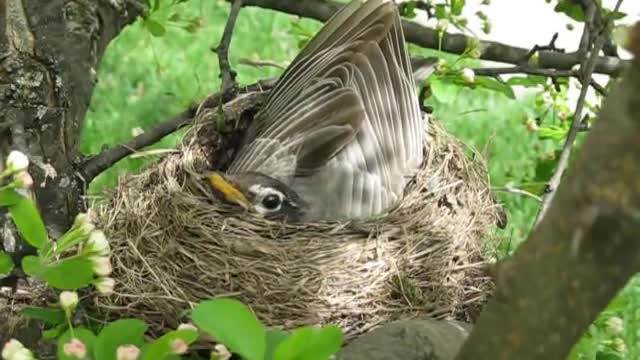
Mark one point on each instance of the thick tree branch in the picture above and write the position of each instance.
(584, 250)
(452, 43)
(222, 50)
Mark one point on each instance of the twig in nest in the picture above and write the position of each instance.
(261, 63)
(222, 50)
(514, 190)
(587, 68)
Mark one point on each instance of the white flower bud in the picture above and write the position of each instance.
(10, 348)
(615, 325)
(23, 180)
(101, 265)
(68, 300)
(443, 24)
(97, 243)
(17, 161)
(187, 326)
(222, 352)
(127, 352)
(178, 346)
(104, 285)
(468, 75)
(75, 348)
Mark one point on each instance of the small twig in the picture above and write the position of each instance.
(587, 69)
(598, 88)
(222, 50)
(517, 191)
(261, 63)
(549, 47)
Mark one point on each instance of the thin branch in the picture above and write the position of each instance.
(514, 190)
(222, 50)
(261, 63)
(452, 43)
(587, 69)
(97, 164)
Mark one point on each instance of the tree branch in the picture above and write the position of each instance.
(587, 69)
(97, 164)
(583, 252)
(222, 50)
(452, 43)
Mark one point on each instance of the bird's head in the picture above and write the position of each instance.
(257, 192)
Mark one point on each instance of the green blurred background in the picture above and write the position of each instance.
(145, 79)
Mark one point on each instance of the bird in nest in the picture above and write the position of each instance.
(341, 133)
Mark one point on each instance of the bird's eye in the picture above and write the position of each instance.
(271, 202)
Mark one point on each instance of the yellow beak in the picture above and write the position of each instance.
(231, 193)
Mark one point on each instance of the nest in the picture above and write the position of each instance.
(174, 244)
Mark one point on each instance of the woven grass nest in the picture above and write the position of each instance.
(174, 244)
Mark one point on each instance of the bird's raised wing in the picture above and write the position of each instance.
(314, 110)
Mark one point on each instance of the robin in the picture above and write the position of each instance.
(341, 133)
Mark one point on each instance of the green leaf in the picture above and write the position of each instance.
(155, 28)
(443, 90)
(161, 347)
(51, 316)
(571, 9)
(84, 335)
(545, 166)
(233, 324)
(69, 274)
(495, 85)
(119, 332)
(457, 6)
(441, 11)
(32, 266)
(608, 355)
(274, 338)
(310, 343)
(552, 132)
(6, 264)
(28, 221)
(9, 197)
(54, 332)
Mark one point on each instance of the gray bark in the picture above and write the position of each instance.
(49, 51)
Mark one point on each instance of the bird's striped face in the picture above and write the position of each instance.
(266, 196)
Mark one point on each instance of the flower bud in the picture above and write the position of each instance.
(101, 265)
(178, 346)
(17, 161)
(221, 352)
(442, 25)
(97, 244)
(615, 325)
(10, 348)
(468, 75)
(75, 348)
(23, 180)
(187, 326)
(127, 352)
(68, 301)
(104, 285)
